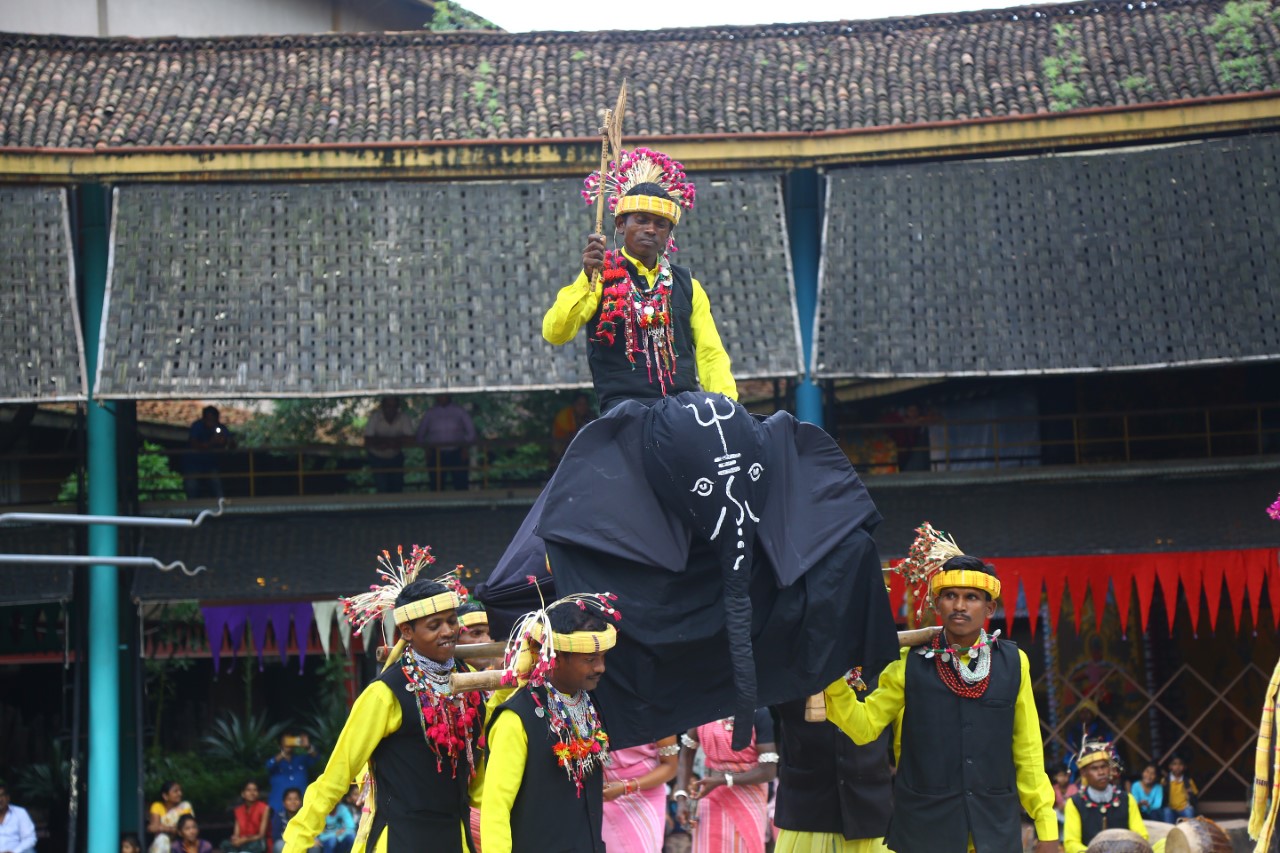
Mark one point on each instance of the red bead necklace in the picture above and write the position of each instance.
(950, 677)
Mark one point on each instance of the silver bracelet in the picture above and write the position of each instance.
(728, 780)
(767, 758)
(681, 793)
(674, 749)
(689, 742)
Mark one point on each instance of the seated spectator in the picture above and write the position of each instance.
(447, 432)
(567, 423)
(130, 843)
(189, 840)
(163, 816)
(251, 823)
(17, 832)
(1180, 792)
(210, 437)
(1102, 804)
(339, 829)
(1063, 790)
(291, 803)
(1149, 794)
(386, 434)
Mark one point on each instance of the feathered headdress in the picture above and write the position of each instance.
(370, 606)
(1092, 750)
(522, 663)
(923, 567)
(642, 166)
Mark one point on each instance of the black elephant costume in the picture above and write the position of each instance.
(740, 549)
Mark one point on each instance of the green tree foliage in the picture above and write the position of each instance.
(1234, 32)
(449, 16)
(243, 741)
(289, 423)
(157, 481)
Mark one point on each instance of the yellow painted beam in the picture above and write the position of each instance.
(538, 159)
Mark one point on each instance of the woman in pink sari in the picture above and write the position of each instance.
(635, 796)
(732, 797)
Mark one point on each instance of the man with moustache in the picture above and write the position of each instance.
(649, 326)
(971, 747)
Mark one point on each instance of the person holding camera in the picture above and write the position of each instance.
(289, 768)
(208, 438)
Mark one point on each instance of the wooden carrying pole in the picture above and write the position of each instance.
(815, 707)
(610, 147)
(462, 682)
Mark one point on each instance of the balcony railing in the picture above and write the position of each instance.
(934, 444)
(938, 444)
(320, 469)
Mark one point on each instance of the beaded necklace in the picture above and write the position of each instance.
(962, 681)
(581, 743)
(644, 315)
(449, 722)
(1111, 799)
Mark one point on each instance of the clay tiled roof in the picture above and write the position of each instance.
(60, 92)
(1109, 261)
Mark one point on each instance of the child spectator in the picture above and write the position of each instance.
(339, 829)
(1180, 790)
(189, 840)
(1149, 794)
(290, 804)
(1063, 790)
(130, 843)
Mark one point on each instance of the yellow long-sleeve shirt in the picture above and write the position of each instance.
(576, 304)
(1071, 834)
(863, 721)
(508, 752)
(374, 716)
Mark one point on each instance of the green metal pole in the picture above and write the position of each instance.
(104, 596)
(804, 230)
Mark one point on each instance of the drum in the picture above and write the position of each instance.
(1118, 841)
(1197, 835)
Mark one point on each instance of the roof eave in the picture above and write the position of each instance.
(540, 158)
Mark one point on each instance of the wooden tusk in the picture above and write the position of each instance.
(479, 650)
(917, 636)
(466, 682)
(815, 707)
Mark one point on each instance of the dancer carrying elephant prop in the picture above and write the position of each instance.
(741, 546)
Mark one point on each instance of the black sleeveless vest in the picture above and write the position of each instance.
(1094, 820)
(416, 803)
(548, 816)
(615, 378)
(827, 783)
(956, 776)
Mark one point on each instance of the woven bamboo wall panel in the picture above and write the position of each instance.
(44, 360)
(1118, 260)
(273, 290)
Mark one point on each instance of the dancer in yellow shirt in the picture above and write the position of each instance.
(649, 326)
(970, 735)
(544, 787)
(421, 744)
(1102, 803)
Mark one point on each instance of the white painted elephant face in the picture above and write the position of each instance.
(709, 465)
